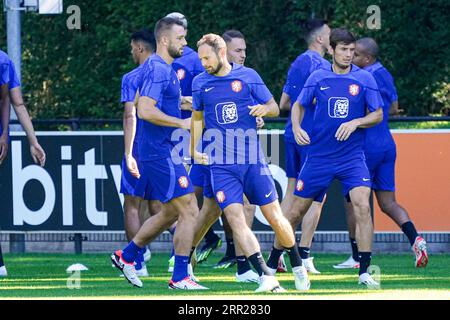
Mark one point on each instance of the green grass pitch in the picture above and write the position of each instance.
(44, 276)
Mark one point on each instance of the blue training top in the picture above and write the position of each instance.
(225, 102)
(379, 138)
(339, 98)
(187, 67)
(298, 73)
(159, 82)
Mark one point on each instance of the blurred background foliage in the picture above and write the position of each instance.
(77, 73)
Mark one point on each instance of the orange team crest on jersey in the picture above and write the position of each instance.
(300, 185)
(236, 86)
(183, 182)
(220, 196)
(181, 74)
(353, 89)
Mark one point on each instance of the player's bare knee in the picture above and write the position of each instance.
(191, 203)
(236, 221)
(361, 209)
(277, 222)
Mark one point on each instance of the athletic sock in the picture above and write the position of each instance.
(172, 230)
(172, 252)
(364, 261)
(140, 259)
(410, 231)
(130, 253)
(242, 264)
(304, 252)
(355, 253)
(2, 263)
(211, 236)
(230, 252)
(274, 256)
(294, 256)
(180, 269)
(259, 264)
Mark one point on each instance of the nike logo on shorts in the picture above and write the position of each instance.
(324, 88)
(268, 195)
(209, 89)
(365, 179)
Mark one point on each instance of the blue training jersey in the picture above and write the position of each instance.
(339, 98)
(159, 82)
(4, 76)
(9, 74)
(187, 67)
(298, 73)
(229, 126)
(4, 68)
(130, 86)
(379, 138)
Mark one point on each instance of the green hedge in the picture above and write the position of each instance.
(77, 73)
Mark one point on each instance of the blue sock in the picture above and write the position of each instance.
(140, 259)
(180, 270)
(130, 253)
(172, 253)
(172, 230)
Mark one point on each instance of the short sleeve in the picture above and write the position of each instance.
(4, 74)
(306, 96)
(154, 80)
(258, 89)
(389, 86)
(372, 94)
(297, 76)
(197, 103)
(14, 81)
(128, 93)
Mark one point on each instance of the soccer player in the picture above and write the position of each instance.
(162, 176)
(244, 271)
(227, 98)
(236, 53)
(343, 93)
(4, 112)
(142, 46)
(16, 99)
(11, 92)
(380, 152)
(317, 36)
(4, 122)
(187, 67)
(209, 213)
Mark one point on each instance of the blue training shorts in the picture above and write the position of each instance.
(163, 180)
(127, 181)
(231, 182)
(201, 177)
(295, 155)
(317, 174)
(382, 169)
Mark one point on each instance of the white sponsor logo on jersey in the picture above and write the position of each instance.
(338, 107)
